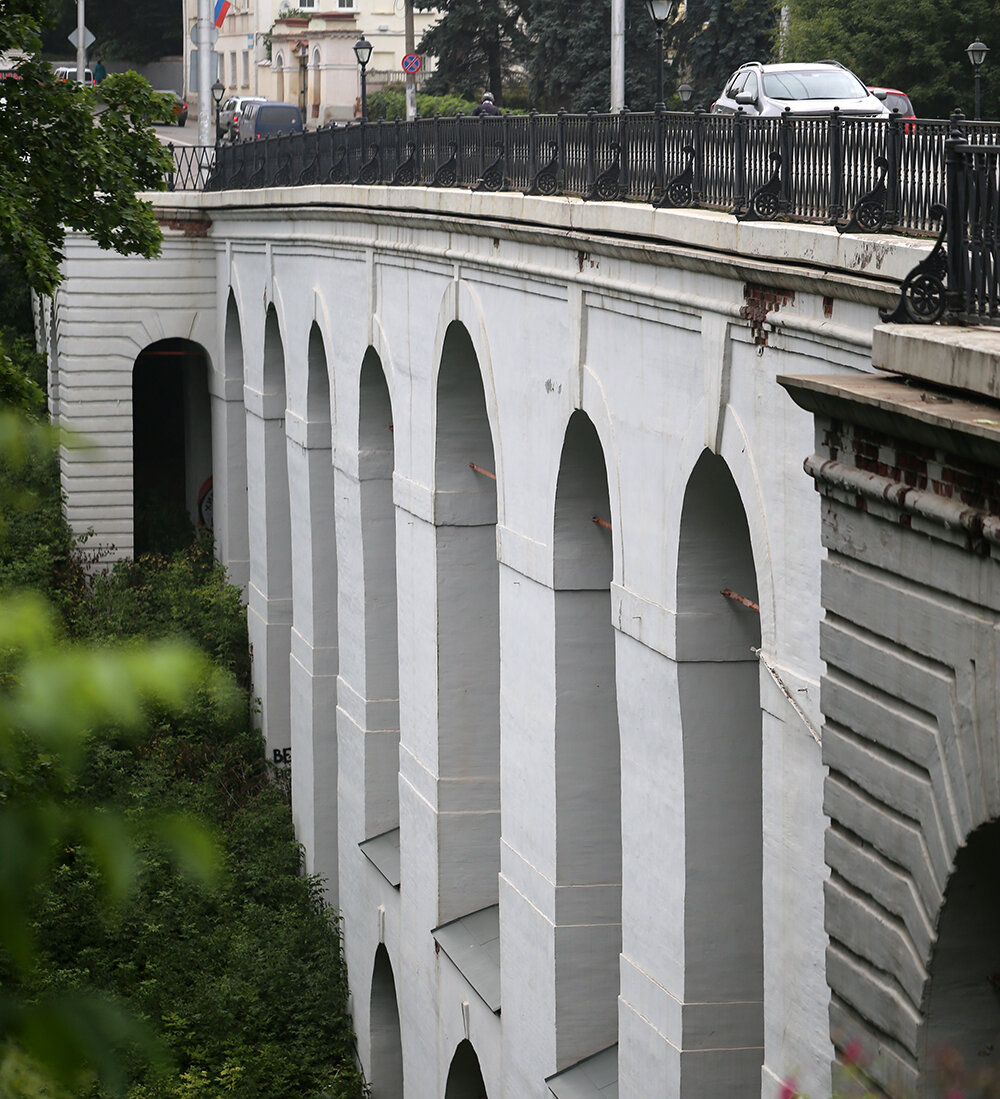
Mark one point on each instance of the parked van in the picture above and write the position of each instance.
(68, 72)
(267, 118)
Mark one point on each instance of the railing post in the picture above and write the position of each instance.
(561, 146)
(658, 152)
(532, 145)
(658, 157)
(835, 134)
(740, 161)
(698, 143)
(173, 166)
(437, 140)
(624, 129)
(955, 219)
(591, 153)
(505, 127)
(893, 159)
(786, 148)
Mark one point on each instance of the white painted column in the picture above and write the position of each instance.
(313, 667)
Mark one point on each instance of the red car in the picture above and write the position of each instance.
(896, 101)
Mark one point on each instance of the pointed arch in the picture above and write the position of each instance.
(270, 593)
(467, 634)
(386, 1072)
(465, 1077)
(587, 751)
(719, 697)
(229, 464)
(371, 664)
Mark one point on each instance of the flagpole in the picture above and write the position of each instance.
(205, 55)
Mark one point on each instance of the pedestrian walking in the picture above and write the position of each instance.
(100, 72)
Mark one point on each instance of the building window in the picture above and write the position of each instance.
(221, 74)
(232, 68)
(245, 81)
(347, 4)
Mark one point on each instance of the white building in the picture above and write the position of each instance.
(304, 54)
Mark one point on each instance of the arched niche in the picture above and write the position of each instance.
(270, 597)
(378, 676)
(587, 751)
(386, 1074)
(961, 1029)
(229, 475)
(171, 445)
(465, 1078)
(468, 631)
(719, 693)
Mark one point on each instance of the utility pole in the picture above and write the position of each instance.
(81, 49)
(205, 55)
(411, 86)
(617, 54)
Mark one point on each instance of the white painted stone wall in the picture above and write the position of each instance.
(642, 320)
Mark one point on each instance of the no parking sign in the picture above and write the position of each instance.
(412, 64)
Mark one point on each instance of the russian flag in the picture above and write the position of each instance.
(221, 7)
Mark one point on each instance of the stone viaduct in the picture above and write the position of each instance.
(533, 576)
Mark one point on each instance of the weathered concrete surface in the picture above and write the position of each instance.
(911, 591)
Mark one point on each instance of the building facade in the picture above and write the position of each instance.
(303, 54)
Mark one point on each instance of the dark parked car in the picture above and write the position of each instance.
(814, 89)
(180, 107)
(267, 118)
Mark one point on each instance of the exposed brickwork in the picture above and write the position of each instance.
(760, 302)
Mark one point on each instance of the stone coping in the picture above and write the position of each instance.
(878, 257)
(964, 358)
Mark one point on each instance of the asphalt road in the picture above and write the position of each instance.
(178, 135)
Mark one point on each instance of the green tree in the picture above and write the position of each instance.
(715, 37)
(571, 59)
(477, 43)
(67, 161)
(132, 30)
(917, 46)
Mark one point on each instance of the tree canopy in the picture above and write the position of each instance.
(136, 30)
(69, 159)
(917, 46)
(477, 43)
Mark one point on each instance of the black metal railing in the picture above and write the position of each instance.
(862, 175)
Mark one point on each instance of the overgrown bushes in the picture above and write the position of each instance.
(242, 983)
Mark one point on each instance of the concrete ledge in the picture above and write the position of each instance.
(959, 358)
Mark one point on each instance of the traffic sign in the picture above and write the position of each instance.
(88, 38)
(411, 63)
(213, 35)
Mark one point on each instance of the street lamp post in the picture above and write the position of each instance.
(218, 91)
(977, 52)
(363, 52)
(659, 12)
(685, 91)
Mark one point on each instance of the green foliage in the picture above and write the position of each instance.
(917, 46)
(137, 30)
(478, 44)
(571, 61)
(157, 938)
(63, 166)
(390, 103)
(715, 37)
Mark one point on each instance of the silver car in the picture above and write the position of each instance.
(815, 89)
(232, 110)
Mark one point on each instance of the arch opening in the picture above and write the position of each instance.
(587, 751)
(468, 631)
(171, 445)
(719, 694)
(229, 470)
(380, 672)
(962, 1001)
(386, 1075)
(465, 1078)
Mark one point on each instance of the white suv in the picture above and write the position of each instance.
(816, 89)
(232, 109)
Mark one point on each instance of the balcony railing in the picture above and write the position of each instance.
(862, 175)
